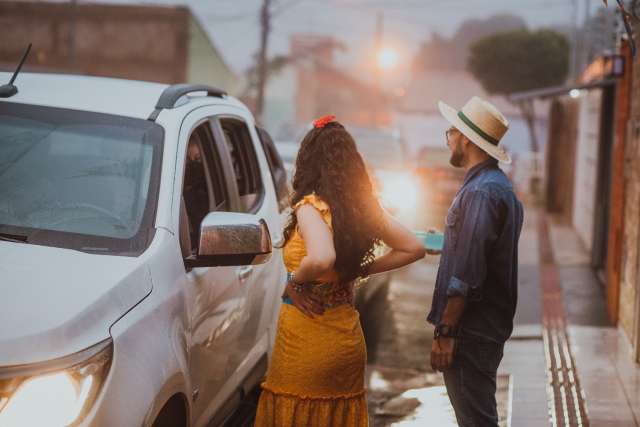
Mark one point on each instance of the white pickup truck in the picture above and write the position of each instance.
(140, 278)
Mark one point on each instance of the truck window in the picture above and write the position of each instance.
(278, 172)
(203, 186)
(245, 163)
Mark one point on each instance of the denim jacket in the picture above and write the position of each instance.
(480, 256)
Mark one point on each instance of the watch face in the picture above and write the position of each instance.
(444, 331)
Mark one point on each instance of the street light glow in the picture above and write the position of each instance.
(387, 58)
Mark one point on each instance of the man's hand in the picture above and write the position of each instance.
(304, 301)
(442, 353)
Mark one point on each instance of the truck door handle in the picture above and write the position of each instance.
(244, 272)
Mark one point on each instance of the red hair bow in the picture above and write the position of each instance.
(323, 121)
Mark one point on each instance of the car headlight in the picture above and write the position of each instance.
(57, 393)
(398, 190)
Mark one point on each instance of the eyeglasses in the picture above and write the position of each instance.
(449, 132)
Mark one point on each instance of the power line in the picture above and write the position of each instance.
(422, 4)
(279, 9)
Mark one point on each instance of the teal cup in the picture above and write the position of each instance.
(433, 241)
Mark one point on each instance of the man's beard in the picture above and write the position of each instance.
(457, 158)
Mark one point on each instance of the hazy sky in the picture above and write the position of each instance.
(234, 26)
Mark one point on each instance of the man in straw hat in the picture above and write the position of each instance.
(477, 286)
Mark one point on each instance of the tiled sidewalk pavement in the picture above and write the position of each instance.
(609, 378)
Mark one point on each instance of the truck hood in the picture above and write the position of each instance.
(54, 302)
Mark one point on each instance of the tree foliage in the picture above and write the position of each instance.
(520, 60)
(443, 53)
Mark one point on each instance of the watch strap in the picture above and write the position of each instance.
(445, 331)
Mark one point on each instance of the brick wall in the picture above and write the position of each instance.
(616, 211)
(628, 313)
(134, 42)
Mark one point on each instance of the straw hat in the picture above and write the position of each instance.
(482, 123)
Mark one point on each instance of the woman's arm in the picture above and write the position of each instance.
(405, 247)
(321, 255)
(318, 240)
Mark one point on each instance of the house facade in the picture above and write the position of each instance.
(140, 42)
(593, 178)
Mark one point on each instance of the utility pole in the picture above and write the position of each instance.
(585, 56)
(265, 30)
(378, 40)
(573, 65)
(581, 39)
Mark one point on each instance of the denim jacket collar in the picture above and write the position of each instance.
(475, 171)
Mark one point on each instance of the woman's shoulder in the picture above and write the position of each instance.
(314, 200)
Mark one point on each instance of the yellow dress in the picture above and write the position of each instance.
(316, 374)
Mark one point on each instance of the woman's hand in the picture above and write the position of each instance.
(304, 301)
(405, 247)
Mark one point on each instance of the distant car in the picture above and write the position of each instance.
(136, 228)
(288, 152)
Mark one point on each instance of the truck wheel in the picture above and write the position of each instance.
(173, 413)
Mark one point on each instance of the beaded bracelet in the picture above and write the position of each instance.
(297, 287)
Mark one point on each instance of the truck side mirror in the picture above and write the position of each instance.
(228, 238)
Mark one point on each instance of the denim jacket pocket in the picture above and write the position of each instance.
(451, 223)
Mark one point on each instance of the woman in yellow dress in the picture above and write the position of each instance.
(316, 375)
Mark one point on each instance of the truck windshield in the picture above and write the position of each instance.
(78, 180)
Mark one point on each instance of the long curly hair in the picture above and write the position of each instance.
(329, 165)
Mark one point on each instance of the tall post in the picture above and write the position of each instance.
(265, 29)
(586, 35)
(573, 65)
(378, 40)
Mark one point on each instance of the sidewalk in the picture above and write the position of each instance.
(606, 388)
(609, 378)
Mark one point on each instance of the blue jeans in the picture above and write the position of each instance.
(471, 381)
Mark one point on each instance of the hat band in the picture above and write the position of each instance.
(476, 129)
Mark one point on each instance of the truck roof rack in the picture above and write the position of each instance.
(170, 96)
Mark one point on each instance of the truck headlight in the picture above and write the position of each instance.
(57, 393)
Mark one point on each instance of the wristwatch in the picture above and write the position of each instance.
(445, 331)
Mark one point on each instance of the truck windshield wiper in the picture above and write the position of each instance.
(16, 238)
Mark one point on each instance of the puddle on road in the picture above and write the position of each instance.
(408, 398)
(433, 408)
(402, 398)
